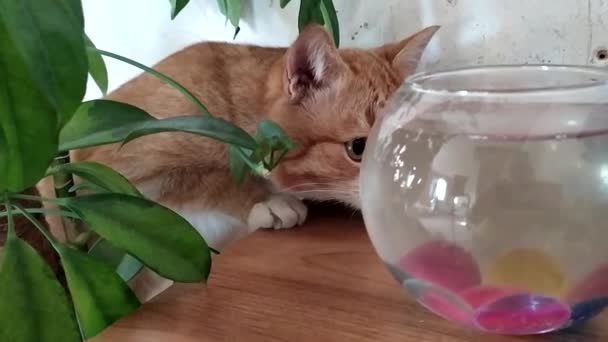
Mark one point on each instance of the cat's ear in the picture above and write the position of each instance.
(406, 54)
(312, 62)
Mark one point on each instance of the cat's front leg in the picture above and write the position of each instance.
(280, 211)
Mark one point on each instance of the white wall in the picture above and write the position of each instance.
(474, 31)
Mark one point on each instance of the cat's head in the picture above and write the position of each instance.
(327, 100)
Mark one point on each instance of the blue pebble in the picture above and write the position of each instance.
(584, 311)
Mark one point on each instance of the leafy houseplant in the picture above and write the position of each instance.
(311, 11)
(110, 233)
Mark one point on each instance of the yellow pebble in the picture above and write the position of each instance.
(530, 270)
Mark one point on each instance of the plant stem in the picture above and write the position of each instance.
(47, 235)
(159, 75)
(281, 156)
(11, 222)
(259, 170)
(50, 212)
(63, 183)
(34, 198)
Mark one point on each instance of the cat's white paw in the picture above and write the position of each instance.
(278, 212)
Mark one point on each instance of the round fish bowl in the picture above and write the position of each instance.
(485, 192)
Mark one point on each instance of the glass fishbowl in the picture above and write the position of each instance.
(485, 192)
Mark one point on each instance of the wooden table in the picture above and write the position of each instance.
(320, 282)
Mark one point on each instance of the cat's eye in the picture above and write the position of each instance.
(355, 148)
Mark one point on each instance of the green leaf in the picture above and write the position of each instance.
(270, 130)
(44, 70)
(47, 37)
(100, 296)
(104, 251)
(271, 139)
(158, 237)
(99, 175)
(310, 12)
(236, 32)
(34, 306)
(232, 9)
(97, 66)
(284, 3)
(177, 6)
(101, 122)
(84, 185)
(28, 121)
(124, 264)
(207, 126)
(161, 77)
(238, 167)
(330, 17)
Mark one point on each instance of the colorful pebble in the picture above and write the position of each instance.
(530, 270)
(589, 297)
(522, 314)
(443, 263)
(584, 311)
(483, 295)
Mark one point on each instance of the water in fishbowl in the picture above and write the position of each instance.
(508, 234)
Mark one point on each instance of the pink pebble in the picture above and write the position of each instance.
(443, 263)
(593, 286)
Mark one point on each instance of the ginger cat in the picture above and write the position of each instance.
(324, 98)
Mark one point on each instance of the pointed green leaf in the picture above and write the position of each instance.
(104, 251)
(330, 17)
(28, 133)
(124, 264)
(238, 167)
(284, 3)
(273, 143)
(47, 35)
(223, 6)
(84, 185)
(207, 126)
(162, 77)
(101, 122)
(28, 120)
(232, 9)
(157, 236)
(177, 6)
(99, 175)
(100, 296)
(310, 12)
(97, 66)
(236, 32)
(34, 307)
(268, 129)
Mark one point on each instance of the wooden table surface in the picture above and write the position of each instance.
(320, 282)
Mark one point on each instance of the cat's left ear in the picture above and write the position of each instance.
(312, 63)
(406, 54)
